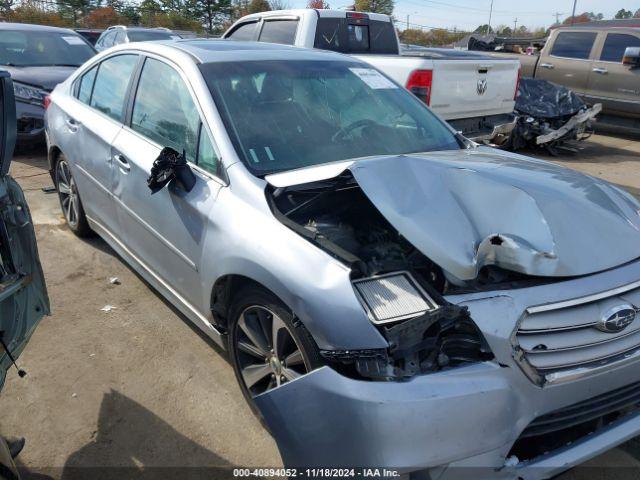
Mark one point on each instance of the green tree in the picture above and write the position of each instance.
(375, 6)
(622, 13)
(74, 10)
(214, 14)
(257, 6)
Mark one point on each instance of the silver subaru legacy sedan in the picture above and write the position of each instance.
(390, 293)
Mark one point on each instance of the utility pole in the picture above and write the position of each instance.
(408, 21)
(573, 14)
(490, 13)
(557, 15)
(515, 24)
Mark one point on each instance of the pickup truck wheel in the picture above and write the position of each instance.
(70, 199)
(268, 346)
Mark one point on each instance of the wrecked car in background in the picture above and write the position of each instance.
(390, 293)
(550, 116)
(23, 292)
(38, 57)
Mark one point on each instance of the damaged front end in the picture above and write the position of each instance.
(550, 116)
(400, 289)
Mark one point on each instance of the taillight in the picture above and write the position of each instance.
(47, 101)
(419, 84)
(515, 95)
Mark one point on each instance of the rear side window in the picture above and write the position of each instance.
(86, 85)
(616, 44)
(110, 87)
(573, 44)
(349, 36)
(279, 31)
(246, 31)
(164, 111)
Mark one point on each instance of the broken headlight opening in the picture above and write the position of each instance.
(399, 287)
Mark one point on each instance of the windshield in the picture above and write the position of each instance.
(283, 115)
(33, 48)
(147, 35)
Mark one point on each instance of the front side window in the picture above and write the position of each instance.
(279, 31)
(42, 48)
(86, 85)
(616, 44)
(573, 44)
(290, 114)
(110, 86)
(163, 109)
(244, 32)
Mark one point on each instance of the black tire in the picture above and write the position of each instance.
(263, 301)
(69, 198)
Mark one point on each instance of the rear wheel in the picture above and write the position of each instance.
(267, 345)
(70, 199)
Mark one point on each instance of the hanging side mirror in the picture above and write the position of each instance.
(631, 57)
(171, 166)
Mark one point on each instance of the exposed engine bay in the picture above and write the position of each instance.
(425, 332)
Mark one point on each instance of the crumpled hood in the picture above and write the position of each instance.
(46, 77)
(468, 208)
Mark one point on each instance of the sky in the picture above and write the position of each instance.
(468, 14)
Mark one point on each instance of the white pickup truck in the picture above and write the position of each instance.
(473, 92)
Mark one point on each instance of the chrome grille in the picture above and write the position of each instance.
(560, 342)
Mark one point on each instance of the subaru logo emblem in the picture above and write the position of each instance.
(482, 86)
(616, 319)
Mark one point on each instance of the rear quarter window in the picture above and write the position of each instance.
(573, 44)
(279, 31)
(343, 35)
(245, 31)
(616, 44)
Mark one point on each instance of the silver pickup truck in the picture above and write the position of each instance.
(599, 63)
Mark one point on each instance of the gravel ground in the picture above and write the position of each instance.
(139, 386)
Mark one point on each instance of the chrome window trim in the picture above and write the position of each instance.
(580, 300)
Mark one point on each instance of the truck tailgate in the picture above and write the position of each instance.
(473, 88)
(461, 87)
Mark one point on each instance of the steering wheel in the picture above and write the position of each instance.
(344, 131)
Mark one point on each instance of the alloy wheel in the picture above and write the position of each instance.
(68, 193)
(267, 353)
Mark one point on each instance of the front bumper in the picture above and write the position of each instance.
(453, 422)
(30, 120)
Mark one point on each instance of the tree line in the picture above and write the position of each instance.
(211, 16)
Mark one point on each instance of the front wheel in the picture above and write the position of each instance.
(268, 346)
(70, 199)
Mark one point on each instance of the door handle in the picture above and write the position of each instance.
(600, 70)
(547, 65)
(122, 161)
(72, 124)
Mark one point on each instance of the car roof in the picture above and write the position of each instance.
(29, 27)
(220, 50)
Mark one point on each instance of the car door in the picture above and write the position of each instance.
(166, 230)
(92, 123)
(569, 61)
(611, 83)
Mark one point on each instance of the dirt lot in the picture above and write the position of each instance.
(138, 386)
